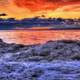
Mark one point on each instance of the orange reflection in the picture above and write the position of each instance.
(35, 37)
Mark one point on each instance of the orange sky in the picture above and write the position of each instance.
(50, 8)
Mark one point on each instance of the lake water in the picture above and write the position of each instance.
(37, 36)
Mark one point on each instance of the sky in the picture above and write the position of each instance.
(50, 8)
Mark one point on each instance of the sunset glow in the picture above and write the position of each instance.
(31, 8)
(36, 37)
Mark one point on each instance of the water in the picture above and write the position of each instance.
(37, 36)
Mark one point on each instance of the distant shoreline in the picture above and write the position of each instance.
(39, 29)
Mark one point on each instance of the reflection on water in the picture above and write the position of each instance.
(36, 36)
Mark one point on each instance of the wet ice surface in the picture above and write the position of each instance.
(53, 60)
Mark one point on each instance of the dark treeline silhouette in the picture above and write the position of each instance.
(38, 22)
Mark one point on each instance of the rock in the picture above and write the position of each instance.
(53, 60)
(56, 70)
(51, 50)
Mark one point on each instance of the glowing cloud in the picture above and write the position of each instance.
(30, 8)
(38, 5)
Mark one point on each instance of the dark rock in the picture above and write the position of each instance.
(53, 60)
(52, 50)
(56, 70)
